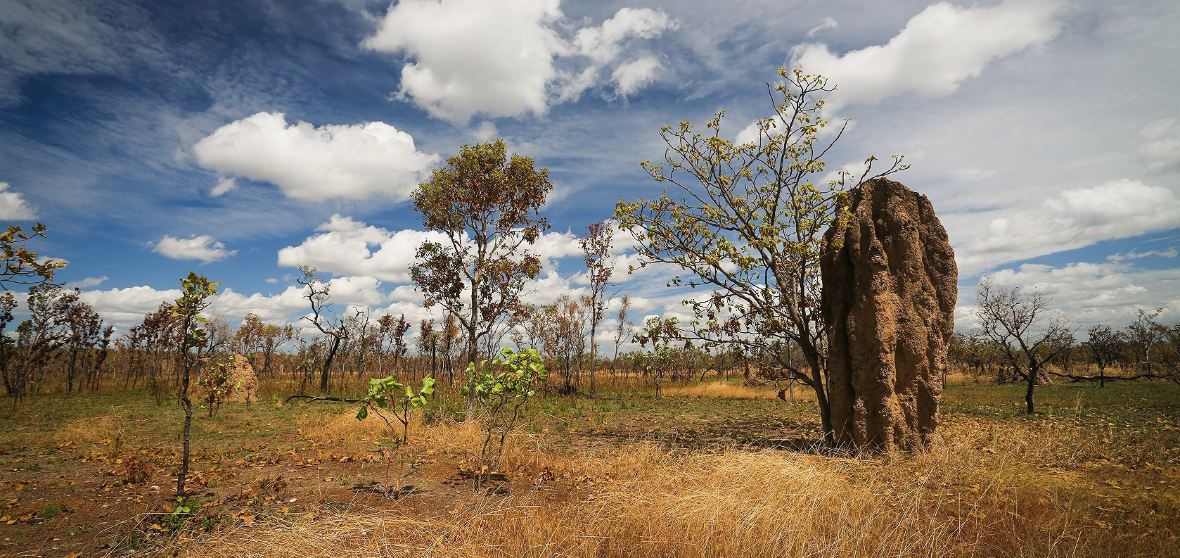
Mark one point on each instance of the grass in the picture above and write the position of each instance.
(710, 469)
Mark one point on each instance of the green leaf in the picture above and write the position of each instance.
(363, 413)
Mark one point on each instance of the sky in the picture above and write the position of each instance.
(242, 139)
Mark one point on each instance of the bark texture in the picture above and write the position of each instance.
(889, 291)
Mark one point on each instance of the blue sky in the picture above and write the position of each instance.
(239, 139)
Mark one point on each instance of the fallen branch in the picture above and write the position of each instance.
(1096, 377)
(311, 398)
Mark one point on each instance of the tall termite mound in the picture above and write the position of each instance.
(889, 290)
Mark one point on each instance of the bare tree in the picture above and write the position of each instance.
(1016, 323)
(1106, 346)
(335, 328)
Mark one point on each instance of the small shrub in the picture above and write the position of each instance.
(502, 387)
(398, 399)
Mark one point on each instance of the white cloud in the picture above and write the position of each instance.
(306, 162)
(635, 75)
(1091, 293)
(498, 59)
(224, 186)
(485, 131)
(1071, 219)
(603, 44)
(827, 23)
(1160, 146)
(348, 247)
(127, 306)
(203, 248)
(936, 51)
(86, 283)
(345, 246)
(13, 206)
(472, 56)
(1136, 255)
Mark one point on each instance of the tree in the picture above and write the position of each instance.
(623, 328)
(391, 331)
(502, 386)
(487, 206)
(194, 299)
(747, 221)
(336, 329)
(596, 246)
(38, 338)
(83, 331)
(563, 334)
(1142, 336)
(659, 333)
(21, 265)
(1106, 346)
(1014, 321)
(256, 338)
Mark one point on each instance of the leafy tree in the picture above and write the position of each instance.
(487, 206)
(502, 386)
(392, 332)
(1014, 321)
(659, 333)
(563, 334)
(747, 221)
(623, 327)
(334, 328)
(84, 331)
(21, 265)
(596, 246)
(196, 290)
(388, 394)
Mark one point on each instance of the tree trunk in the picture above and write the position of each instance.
(1101, 376)
(327, 369)
(1028, 395)
(187, 404)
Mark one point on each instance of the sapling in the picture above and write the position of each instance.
(502, 386)
(388, 394)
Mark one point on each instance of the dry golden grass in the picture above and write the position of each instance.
(93, 431)
(983, 491)
(724, 390)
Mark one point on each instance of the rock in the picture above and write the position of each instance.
(243, 380)
(889, 291)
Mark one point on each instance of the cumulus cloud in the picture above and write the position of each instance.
(13, 206)
(936, 51)
(345, 246)
(603, 44)
(1160, 147)
(1091, 293)
(472, 56)
(203, 248)
(307, 162)
(635, 75)
(348, 247)
(127, 306)
(498, 59)
(1072, 219)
